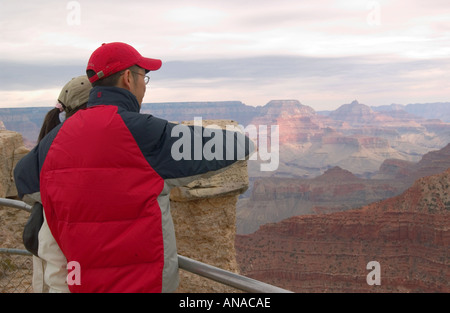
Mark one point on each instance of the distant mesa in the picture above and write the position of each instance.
(354, 112)
(337, 174)
(283, 107)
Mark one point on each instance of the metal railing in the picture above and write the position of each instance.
(202, 269)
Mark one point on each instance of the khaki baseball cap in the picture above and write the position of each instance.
(75, 92)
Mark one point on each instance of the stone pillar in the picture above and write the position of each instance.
(204, 214)
(12, 150)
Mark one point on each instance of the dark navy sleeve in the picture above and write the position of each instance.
(27, 170)
(26, 173)
(186, 151)
(177, 151)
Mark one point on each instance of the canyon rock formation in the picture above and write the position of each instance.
(355, 136)
(12, 150)
(336, 190)
(408, 235)
(274, 199)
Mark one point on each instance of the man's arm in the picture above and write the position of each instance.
(180, 153)
(26, 174)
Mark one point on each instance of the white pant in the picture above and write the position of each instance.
(50, 269)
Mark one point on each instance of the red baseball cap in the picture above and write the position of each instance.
(114, 57)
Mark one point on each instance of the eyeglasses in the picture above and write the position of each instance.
(146, 77)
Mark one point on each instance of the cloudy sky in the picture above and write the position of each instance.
(323, 53)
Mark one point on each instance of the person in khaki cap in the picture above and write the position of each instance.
(73, 97)
(49, 263)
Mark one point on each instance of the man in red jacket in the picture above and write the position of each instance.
(109, 210)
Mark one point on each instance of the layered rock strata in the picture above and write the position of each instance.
(336, 190)
(408, 235)
(12, 150)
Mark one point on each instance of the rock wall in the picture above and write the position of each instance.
(26, 121)
(12, 150)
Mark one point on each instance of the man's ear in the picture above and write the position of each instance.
(125, 80)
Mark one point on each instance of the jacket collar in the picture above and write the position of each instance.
(113, 96)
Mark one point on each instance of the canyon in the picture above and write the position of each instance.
(328, 161)
(408, 235)
(355, 136)
(274, 199)
(354, 185)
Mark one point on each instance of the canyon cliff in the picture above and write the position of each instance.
(274, 199)
(408, 235)
(12, 150)
(353, 137)
(26, 121)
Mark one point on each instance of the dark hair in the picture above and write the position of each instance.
(111, 80)
(51, 120)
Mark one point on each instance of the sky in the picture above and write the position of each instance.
(323, 53)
